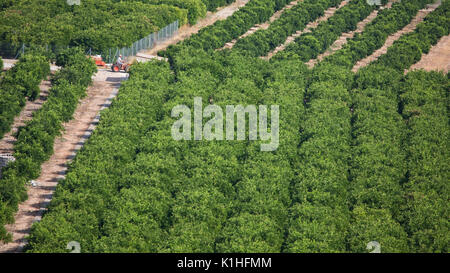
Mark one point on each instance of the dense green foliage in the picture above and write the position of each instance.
(362, 157)
(311, 44)
(19, 83)
(196, 8)
(387, 22)
(260, 224)
(216, 35)
(424, 99)
(214, 4)
(96, 24)
(35, 140)
(378, 161)
(292, 20)
(409, 48)
(319, 216)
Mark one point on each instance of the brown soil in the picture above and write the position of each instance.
(262, 26)
(186, 31)
(437, 59)
(328, 13)
(104, 88)
(9, 63)
(8, 140)
(76, 132)
(394, 37)
(339, 43)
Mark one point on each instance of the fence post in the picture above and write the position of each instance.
(145, 43)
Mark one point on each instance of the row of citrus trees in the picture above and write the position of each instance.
(424, 100)
(387, 22)
(35, 140)
(333, 211)
(133, 187)
(95, 24)
(377, 165)
(409, 48)
(377, 199)
(19, 83)
(214, 4)
(216, 35)
(292, 20)
(392, 197)
(309, 45)
(332, 185)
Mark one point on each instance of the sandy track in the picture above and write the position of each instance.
(9, 63)
(76, 132)
(8, 140)
(309, 27)
(186, 31)
(339, 43)
(437, 59)
(394, 37)
(262, 26)
(104, 88)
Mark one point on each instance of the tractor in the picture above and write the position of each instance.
(117, 67)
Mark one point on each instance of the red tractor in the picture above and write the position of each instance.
(119, 67)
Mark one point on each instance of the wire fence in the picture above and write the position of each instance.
(110, 55)
(143, 44)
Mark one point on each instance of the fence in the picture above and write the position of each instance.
(109, 55)
(145, 43)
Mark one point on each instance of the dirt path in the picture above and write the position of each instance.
(186, 31)
(339, 43)
(76, 132)
(437, 59)
(9, 63)
(8, 140)
(309, 27)
(264, 25)
(394, 37)
(105, 87)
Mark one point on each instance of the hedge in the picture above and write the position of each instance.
(309, 45)
(426, 210)
(35, 140)
(216, 35)
(292, 20)
(410, 47)
(214, 4)
(19, 83)
(374, 35)
(95, 24)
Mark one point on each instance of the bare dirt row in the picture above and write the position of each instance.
(104, 88)
(76, 132)
(438, 58)
(8, 140)
(328, 13)
(262, 26)
(339, 43)
(187, 30)
(394, 37)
